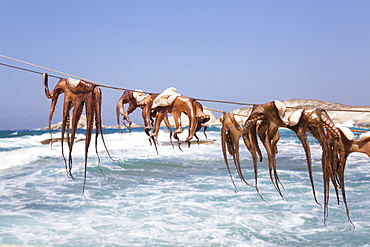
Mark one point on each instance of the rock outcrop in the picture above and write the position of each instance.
(349, 115)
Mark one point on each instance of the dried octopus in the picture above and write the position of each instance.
(349, 145)
(192, 108)
(132, 98)
(180, 104)
(231, 132)
(264, 122)
(317, 122)
(77, 95)
(137, 99)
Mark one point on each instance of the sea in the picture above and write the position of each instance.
(171, 197)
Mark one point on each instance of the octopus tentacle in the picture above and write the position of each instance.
(230, 135)
(192, 120)
(300, 122)
(347, 146)
(98, 126)
(274, 140)
(319, 135)
(97, 96)
(304, 140)
(250, 126)
(120, 110)
(161, 114)
(51, 113)
(54, 95)
(329, 167)
(253, 151)
(45, 81)
(89, 127)
(250, 137)
(335, 140)
(269, 137)
(65, 130)
(271, 153)
(62, 146)
(77, 112)
(250, 141)
(204, 131)
(344, 197)
(233, 146)
(201, 117)
(223, 145)
(168, 125)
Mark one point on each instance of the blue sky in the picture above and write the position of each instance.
(243, 51)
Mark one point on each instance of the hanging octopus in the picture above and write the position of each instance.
(137, 99)
(153, 108)
(132, 98)
(231, 132)
(77, 95)
(349, 145)
(265, 121)
(317, 122)
(192, 108)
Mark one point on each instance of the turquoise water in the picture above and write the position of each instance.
(173, 198)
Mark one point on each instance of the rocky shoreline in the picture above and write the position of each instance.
(349, 115)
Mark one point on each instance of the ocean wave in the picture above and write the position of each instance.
(173, 197)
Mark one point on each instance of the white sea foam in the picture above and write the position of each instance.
(28, 149)
(348, 123)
